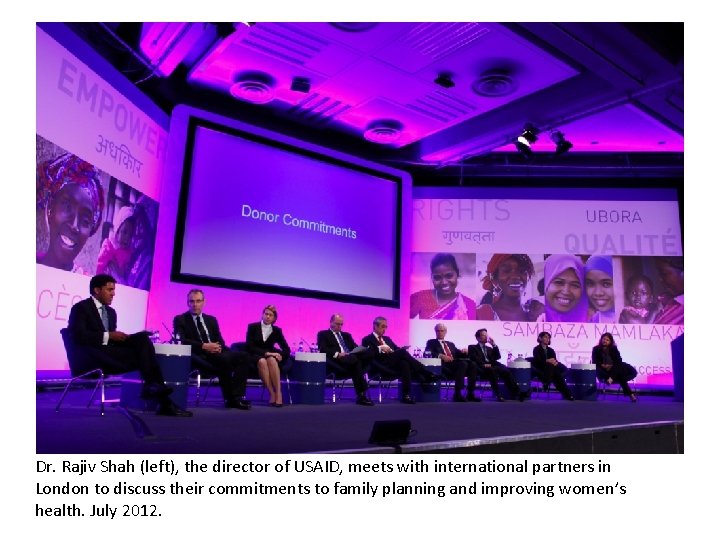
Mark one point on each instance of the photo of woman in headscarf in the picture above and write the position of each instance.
(506, 279)
(442, 301)
(69, 193)
(565, 299)
(140, 264)
(599, 289)
(116, 250)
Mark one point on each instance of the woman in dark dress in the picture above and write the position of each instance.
(266, 343)
(610, 367)
(546, 366)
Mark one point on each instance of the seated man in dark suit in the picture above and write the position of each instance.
(486, 357)
(397, 359)
(209, 352)
(338, 346)
(454, 361)
(93, 330)
(546, 366)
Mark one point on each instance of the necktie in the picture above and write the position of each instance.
(343, 346)
(104, 317)
(201, 330)
(380, 340)
(484, 350)
(447, 349)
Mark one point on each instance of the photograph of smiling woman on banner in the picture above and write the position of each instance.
(70, 198)
(565, 299)
(450, 273)
(600, 289)
(507, 281)
(128, 235)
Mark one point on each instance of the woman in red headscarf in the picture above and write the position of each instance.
(69, 191)
(506, 278)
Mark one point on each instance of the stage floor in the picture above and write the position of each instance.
(335, 427)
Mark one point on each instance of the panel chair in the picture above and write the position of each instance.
(197, 376)
(384, 376)
(336, 373)
(537, 384)
(604, 387)
(79, 362)
(447, 383)
(285, 368)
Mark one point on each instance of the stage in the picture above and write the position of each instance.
(543, 424)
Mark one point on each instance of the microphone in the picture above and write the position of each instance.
(172, 335)
(303, 340)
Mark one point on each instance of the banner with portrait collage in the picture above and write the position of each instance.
(575, 263)
(98, 165)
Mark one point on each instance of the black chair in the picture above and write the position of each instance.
(537, 383)
(80, 363)
(382, 374)
(335, 372)
(285, 367)
(605, 388)
(201, 374)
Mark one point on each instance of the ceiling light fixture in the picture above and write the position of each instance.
(526, 139)
(562, 144)
(300, 84)
(384, 131)
(444, 80)
(254, 87)
(495, 83)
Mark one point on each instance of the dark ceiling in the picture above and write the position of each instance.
(445, 101)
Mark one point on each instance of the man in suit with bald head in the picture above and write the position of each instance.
(339, 348)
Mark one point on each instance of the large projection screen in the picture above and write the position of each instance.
(261, 214)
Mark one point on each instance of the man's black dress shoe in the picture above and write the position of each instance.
(522, 396)
(569, 397)
(473, 397)
(364, 400)
(459, 398)
(237, 404)
(170, 409)
(155, 390)
(500, 398)
(407, 399)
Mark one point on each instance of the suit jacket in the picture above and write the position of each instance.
(597, 358)
(85, 324)
(436, 348)
(372, 342)
(184, 324)
(539, 356)
(257, 347)
(475, 354)
(329, 345)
